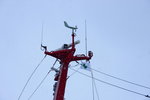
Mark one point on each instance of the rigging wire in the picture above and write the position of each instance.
(92, 84)
(73, 73)
(95, 85)
(75, 65)
(120, 79)
(42, 80)
(39, 85)
(146, 87)
(138, 93)
(30, 77)
(96, 90)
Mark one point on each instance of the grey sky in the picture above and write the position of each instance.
(118, 34)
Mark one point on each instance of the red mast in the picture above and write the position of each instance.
(65, 55)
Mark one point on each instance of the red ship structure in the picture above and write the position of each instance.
(65, 55)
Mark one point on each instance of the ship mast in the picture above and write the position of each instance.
(65, 55)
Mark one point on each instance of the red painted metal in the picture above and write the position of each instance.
(65, 56)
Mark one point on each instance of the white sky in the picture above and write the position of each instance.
(118, 34)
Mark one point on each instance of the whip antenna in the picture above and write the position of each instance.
(42, 37)
(85, 38)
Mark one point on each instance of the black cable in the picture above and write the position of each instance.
(30, 78)
(113, 85)
(120, 79)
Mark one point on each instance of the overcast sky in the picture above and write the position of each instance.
(118, 34)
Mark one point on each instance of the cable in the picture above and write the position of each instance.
(42, 80)
(92, 84)
(120, 79)
(39, 85)
(113, 85)
(30, 77)
(73, 73)
(95, 84)
(74, 65)
(96, 90)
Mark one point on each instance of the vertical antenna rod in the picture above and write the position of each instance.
(85, 38)
(42, 35)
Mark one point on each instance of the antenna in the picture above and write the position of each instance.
(85, 38)
(42, 47)
(42, 34)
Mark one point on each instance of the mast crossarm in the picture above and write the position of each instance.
(60, 54)
(82, 56)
